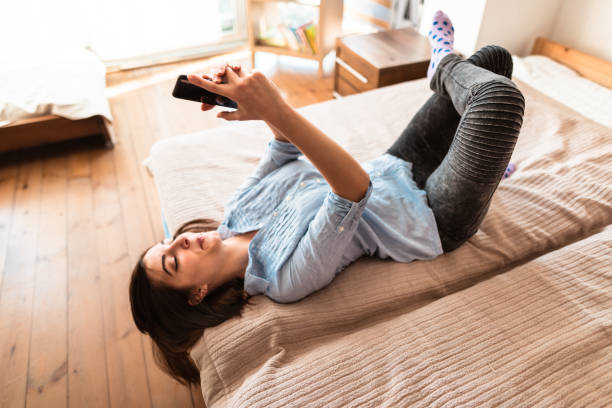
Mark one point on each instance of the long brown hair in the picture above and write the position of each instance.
(174, 326)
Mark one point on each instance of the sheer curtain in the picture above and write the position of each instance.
(124, 33)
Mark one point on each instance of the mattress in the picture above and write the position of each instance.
(535, 336)
(469, 326)
(68, 82)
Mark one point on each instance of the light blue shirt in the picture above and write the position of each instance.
(308, 234)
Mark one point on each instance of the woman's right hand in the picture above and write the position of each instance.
(256, 96)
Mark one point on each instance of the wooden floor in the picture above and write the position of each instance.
(73, 220)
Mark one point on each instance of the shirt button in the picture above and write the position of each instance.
(275, 213)
(378, 173)
(340, 228)
(302, 184)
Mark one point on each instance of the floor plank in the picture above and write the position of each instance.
(18, 285)
(87, 372)
(47, 383)
(8, 183)
(127, 379)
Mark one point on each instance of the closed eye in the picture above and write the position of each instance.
(163, 262)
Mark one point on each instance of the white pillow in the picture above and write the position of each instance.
(566, 86)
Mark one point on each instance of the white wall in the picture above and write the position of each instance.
(514, 24)
(586, 25)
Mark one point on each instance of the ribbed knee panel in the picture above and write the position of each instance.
(487, 132)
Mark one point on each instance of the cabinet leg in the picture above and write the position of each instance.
(320, 70)
(252, 59)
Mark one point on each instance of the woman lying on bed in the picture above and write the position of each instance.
(291, 227)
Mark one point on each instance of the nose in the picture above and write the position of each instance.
(181, 242)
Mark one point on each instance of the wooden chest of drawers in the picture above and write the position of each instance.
(368, 61)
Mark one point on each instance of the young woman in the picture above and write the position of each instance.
(292, 226)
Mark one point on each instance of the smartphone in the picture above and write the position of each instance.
(184, 89)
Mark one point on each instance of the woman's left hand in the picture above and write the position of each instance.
(217, 75)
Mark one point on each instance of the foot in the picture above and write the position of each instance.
(441, 38)
(509, 170)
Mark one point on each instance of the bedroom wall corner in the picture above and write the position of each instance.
(516, 24)
(585, 25)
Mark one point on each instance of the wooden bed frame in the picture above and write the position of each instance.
(46, 129)
(596, 69)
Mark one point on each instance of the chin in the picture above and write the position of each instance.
(216, 237)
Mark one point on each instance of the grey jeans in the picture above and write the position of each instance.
(460, 143)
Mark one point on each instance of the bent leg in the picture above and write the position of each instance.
(459, 191)
(428, 136)
(426, 139)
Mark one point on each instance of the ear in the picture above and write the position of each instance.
(197, 295)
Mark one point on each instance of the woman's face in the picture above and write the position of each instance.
(187, 262)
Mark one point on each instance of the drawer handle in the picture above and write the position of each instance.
(351, 70)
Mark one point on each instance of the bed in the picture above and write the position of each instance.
(52, 95)
(520, 315)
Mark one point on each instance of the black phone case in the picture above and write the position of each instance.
(184, 89)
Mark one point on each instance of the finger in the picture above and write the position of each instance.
(219, 74)
(231, 75)
(221, 68)
(218, 78)
(241, 72)
(215, 76)
(235, 67)
(212, 78)
(208, 85)
(207, 107)
(227, 115)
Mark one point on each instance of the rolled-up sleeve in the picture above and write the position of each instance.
(314, 263)
(276, 155)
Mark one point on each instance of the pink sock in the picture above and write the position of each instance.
(441, 38)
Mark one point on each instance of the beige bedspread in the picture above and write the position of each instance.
(427, 333)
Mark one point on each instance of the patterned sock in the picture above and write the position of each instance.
(509, 170)
(441, 37)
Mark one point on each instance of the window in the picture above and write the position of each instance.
(127, 33)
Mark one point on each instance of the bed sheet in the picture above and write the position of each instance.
(68, 82)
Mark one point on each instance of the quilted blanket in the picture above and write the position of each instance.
(519, 315)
